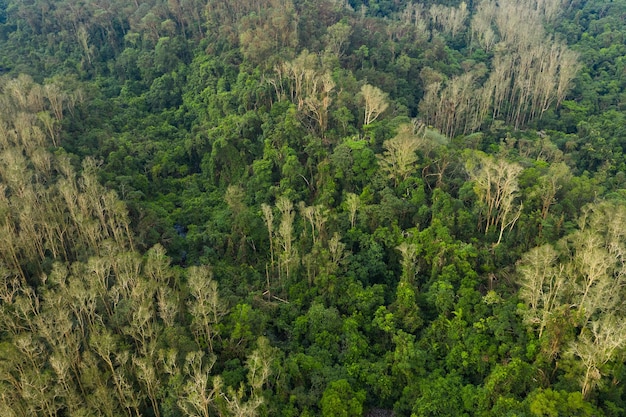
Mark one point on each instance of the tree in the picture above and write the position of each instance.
(439, 396)
(238, 403)
(205, 306)
(530, 71)
(376, 102)
(200, 389)
(307, 85)
(317, 217)
(268, 217)
(585, 276)
(549, 185)
(106, 345)
(319, 103)
(400, 157)
(457, 105)
(235, 199)
(497, 189)
(551, 403)
(598, 344)
(352, 203)
(337, 36)
(542, 283)
(340, 400)
(288, 258)
(450, 19)
(147, 374)
(269, 32)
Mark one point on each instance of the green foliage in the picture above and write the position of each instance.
(340, 400)
(551, 403)
(439, 396)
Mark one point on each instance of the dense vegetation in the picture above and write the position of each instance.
(312, 207)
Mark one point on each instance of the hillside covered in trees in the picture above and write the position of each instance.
(312, 208)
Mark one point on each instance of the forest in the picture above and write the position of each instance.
(335, 208)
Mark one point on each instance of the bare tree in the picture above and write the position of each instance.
(308, 86)
(596, 347)
(376, 102)
(353, 202)
(289, 255)
(205, 305)
(586, 275)
(450, 19)
(542, 285)
(201, 388)
(497, 189)
(531, 72)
